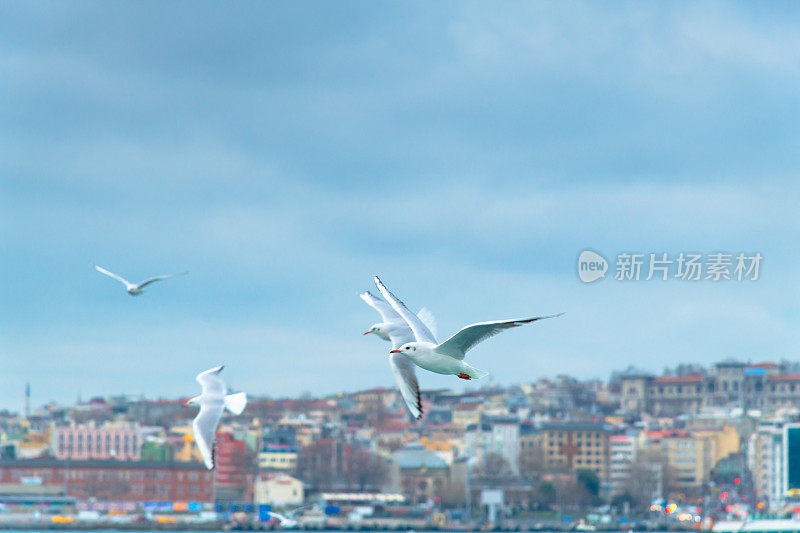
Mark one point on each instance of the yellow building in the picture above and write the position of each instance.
(466, 414)
(690, 456)
(575, 446)
(188, 452)
(278, 459)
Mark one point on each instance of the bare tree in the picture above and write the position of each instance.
(493, 466)
(316, 464)
(362, 469)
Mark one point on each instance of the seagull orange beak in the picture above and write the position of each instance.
(186, 404)
(395, 351)
(367, 332)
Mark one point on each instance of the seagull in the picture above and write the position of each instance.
(135, 289)
(286, 522)
(447, 357)
(212, 402)
(396, 330)
(393, 323)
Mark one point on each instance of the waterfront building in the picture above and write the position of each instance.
(120, 441)
(114, 480)
(278, 490)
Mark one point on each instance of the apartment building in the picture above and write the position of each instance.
(689, 456)
(765, 460)
(494, 435)
(622, 454)
(574, 446)
(531, 457)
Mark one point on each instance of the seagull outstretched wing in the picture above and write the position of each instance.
(406, 378)
(112, 275)
(421, 331)
(147, 282)
(204, 428)
(458, 345)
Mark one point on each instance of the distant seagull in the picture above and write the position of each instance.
(212, 402)
(135, 289)
(286, 522)
(394, 329)
(447, 357)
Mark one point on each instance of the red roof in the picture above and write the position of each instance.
(621, 438)
(764, 364)
(785, 377)
(691, 378)
(392, 428)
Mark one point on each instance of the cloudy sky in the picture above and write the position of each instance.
(285, 152)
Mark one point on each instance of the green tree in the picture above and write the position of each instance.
(590, 483)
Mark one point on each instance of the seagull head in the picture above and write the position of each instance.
(192, 401)
(407, 348)
(374, 329)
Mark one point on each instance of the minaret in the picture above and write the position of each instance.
(27, 400)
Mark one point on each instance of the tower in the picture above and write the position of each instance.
(27, 400)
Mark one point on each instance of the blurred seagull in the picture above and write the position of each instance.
(286, 522)
(393, 324)
(135, 289)
(212, 402)
(394, 329)
(447, 357)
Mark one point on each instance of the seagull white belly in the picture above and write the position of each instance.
(438, 363)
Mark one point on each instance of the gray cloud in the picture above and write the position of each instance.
(286, 152)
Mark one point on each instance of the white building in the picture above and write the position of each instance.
(766, 462)
(278, 490)
(622, 454)
(494, 435)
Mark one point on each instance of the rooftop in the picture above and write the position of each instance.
(49, 462)
(416, 456)
(785, 377)
(691, 378)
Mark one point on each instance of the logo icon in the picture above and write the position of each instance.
(591, 266)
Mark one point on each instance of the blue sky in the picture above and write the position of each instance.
(286, 152)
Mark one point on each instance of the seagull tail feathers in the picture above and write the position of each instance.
(475, 373)
(235, 402)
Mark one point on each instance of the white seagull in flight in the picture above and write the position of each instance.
(447, 357)
(212, 402)
(394, 329)
(135, 289)
(286, 522)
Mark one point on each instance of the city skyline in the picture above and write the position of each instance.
(618, 378)
(465, 155)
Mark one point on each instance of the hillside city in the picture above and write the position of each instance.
(692, 443)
